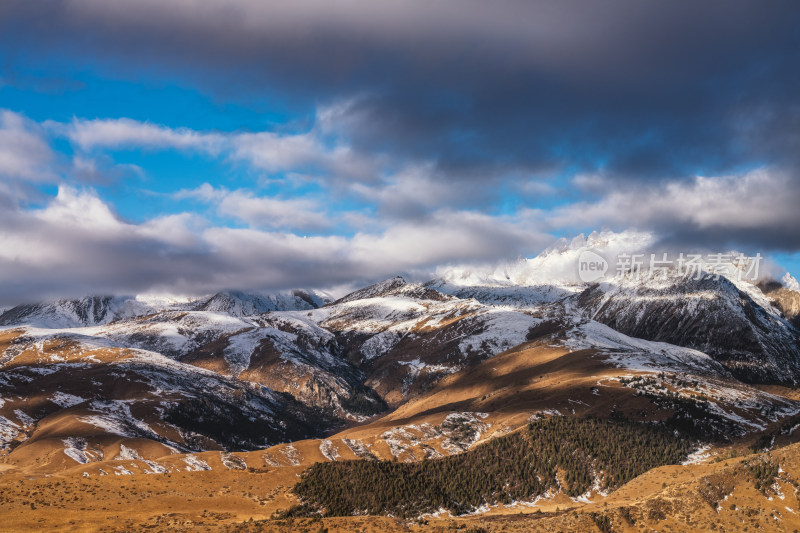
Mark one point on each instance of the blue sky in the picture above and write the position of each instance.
(199, 146)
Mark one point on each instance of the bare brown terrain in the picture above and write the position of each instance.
(146, 487)
(717, 496)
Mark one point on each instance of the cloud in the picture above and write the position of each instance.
(397, 188)
(25, 154)
(301, 153)
(756, 209)
(260, 211)
(268, 151)
(126, 133)
(641, 90)
(102, 170)
(92, 250)
(427, 116)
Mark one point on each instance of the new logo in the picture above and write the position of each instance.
(591, 266)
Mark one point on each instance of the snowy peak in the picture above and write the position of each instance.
(88, 311)
(313, 298)
(741, 329)
(237, 303)
(383, 288)
(557, 266)
(100, 310)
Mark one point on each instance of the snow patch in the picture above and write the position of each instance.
(24, 418)
(233, 462)
(330, 451)
(195, 464)
(122, 471)
(78, 450)
(291, 455)
(8, 431)
(698, 456)
(64, 400)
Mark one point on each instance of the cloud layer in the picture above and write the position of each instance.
(77, 245)
(641, 90)
(412, 134)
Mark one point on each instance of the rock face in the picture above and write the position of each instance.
(785, 297)
(740, 330)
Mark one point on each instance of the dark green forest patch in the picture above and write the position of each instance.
(567, 452)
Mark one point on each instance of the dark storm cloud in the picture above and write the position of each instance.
(635, 89)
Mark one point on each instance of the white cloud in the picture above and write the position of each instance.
(126, 133)
(261, 211)
(761, 198)
(77, 245)
(412, 191)
(24, 152)
(266, 151)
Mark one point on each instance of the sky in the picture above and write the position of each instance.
(190, 146)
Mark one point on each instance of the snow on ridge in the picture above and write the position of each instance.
(24, 418)
(640, 354)
(100, 310)
(71, 313)
(8, 431)
(127, 454)
(504, 329)
(115, 417)
(239, 303)
(77, 449)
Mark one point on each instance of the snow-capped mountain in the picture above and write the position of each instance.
(62, 385)
(88, 311)
(97, 310)
(405, 336)
(742, 331)
(238, 303)
(299, 364)
(754, 334)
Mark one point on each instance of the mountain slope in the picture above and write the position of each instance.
(88, 311)
(754, 335)
(98, 310)
(405, 336)
(712, 315)
(86, 397)
(286, 352)
(237, 303)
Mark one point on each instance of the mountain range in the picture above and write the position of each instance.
(398, 370)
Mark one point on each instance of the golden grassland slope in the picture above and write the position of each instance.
(721, 495)
(139, 484)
